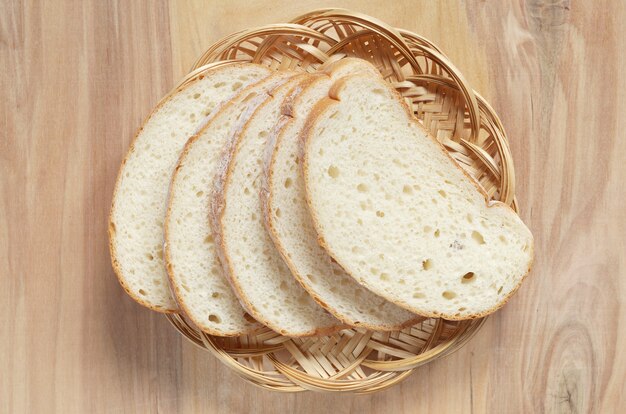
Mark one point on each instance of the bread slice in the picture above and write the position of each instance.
(255, 269)
(139, 199)
(399, 215)
(290, 226)
(196, 275)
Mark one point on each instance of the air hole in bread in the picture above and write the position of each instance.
(443, 193)
(469, 218)
(237, 85)
(437, 233)
(503, 239)
(478, 238)
(283, 286)
(253, 216)
(199, 193)
(208, 239)
(407, 189)
(277, 212)
(380, 213)
(374, 271)
(468, 277)
(402, 282)
(310, 277)
(333, 171)
(214, 318)
(448, 294)
(263, 134)
(334, 114)
(427, 264)
(362, 188)
(246, 191)
(142, 292)
(149, 256)
(419, 295)
(215, 295)
(434, 200)
(427, 229)
(196, 95)
(359, 222)
(500, 289)
(384, 277)
(288, 182)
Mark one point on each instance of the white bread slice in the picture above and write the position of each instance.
(139, 199)
(291, 228)
(196, 275)
(399, 215)
(255, 269)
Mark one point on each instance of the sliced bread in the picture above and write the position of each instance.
(400, 215)
(139, 199)
(254, 267)
(196, 275)
(290, 226)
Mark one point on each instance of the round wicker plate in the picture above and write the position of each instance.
(358, 360)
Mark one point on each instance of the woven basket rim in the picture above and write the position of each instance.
(482, 143)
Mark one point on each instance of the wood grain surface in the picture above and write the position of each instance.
(78, 77)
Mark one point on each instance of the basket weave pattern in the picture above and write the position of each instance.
(358, 360)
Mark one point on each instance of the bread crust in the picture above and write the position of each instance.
(267, 202)
(327, 104)
(216, 210)
(198, 75)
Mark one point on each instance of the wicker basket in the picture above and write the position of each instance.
(358, 360)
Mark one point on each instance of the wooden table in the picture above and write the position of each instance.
(78, 77)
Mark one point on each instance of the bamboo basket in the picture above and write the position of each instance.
(358, 360)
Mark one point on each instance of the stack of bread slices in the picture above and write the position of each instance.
(308, 203)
